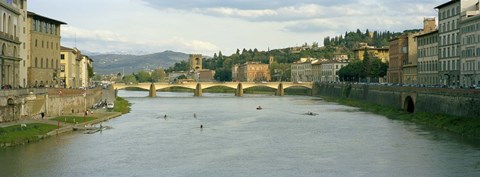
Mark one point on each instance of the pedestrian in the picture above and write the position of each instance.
(42, 114)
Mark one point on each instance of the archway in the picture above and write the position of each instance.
(409, 105)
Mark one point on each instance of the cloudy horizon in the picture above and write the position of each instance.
(209, 26)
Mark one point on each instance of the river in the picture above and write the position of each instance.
(238, 140)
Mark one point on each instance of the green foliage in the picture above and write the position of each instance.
(223, 74)
(143, 76)
(130, 79)
(281, 71)
(357, 70)
(18, 135)
(351, 40)
(158, 75)
(463, 126)
(182, 66)
(121, 105)
(90, 71)
(72, 119)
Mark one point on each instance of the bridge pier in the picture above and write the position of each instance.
(280, 90)
(239, 91)
(153, 91)
(198, 90)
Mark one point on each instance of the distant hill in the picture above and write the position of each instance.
(117, 63)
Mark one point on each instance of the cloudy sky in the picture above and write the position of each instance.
(209, 26)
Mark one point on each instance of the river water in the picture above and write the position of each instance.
(238, 140)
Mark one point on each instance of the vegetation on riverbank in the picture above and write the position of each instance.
(467, 127)
(16, 135)
(121, 105)
(72, 119)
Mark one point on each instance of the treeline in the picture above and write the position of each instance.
(158, 75)
(351, 40)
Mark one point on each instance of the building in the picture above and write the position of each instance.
(70, 64)
(195, 61)
(205, 75)
(43, 45)
(381, 53)
(403, 63)
(470, 49)
(398, 53)
(302, 70)
(24, 29)
(428, 58)
(449, 15)
(85, 64)
(330, 70)
(10, 42)
(251, 72)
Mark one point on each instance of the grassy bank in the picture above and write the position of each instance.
(121, 105)
(16, 135)
(467, 127)
(73, 119)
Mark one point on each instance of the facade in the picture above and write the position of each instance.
(398, 53)
(317, 71)
(251, 72)
(449, 15)
(470, 51)
(330, 70)
(302, 70)
(195, 61)
(410, 64)
(85, 63)
(44, 50)
(70, 60)
(428, 59)
(205, 75)
(10, 43)
(381, 53)
(24, 29)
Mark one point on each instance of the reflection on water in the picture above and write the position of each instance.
(239, 140)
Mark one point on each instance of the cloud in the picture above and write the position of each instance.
(107, 41)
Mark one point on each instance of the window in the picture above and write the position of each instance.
(36, 62)
(62, 68)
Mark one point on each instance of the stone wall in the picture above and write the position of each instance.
(29, 103)
(458, 102)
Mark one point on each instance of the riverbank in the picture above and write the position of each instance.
(465, 127)
(28, 131)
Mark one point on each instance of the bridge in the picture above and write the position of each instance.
(198, 87)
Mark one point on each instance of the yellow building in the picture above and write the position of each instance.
(10, 43)
(44, 48)
(251, 72)
(85, 63)
(381, 53)
(70, 64)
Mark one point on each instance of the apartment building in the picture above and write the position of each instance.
(428, 63)
(251, 72)
(302, 70)
(70, 64)
(43, 46)
(10, 42)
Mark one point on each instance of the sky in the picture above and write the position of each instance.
(208, 26)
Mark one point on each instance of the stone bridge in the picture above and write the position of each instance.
(198, 87)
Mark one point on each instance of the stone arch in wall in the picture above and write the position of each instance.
(409, 104)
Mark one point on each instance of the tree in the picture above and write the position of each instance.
(223, 74)
(143, 76)
(90, 71)
(158, 75)
(130, 79)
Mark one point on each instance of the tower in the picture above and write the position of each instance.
(195, 62)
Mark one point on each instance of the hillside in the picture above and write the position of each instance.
(117, 63)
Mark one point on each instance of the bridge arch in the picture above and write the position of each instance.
(409, 104)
